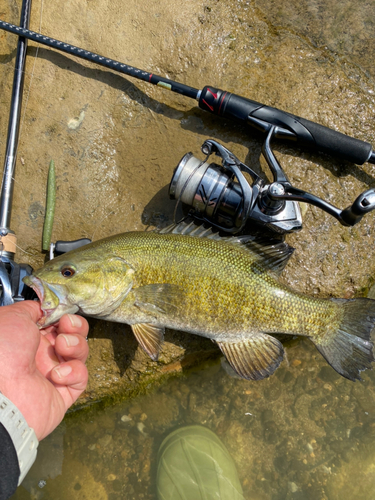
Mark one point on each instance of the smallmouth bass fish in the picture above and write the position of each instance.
(188, 278)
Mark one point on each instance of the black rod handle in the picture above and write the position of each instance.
(305, 133)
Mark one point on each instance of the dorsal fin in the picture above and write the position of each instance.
(192, 229)
(270, 253)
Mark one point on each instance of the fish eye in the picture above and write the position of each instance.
(67, 271)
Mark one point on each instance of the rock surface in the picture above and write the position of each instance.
(115, 141)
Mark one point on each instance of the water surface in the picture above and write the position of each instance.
(304, 433)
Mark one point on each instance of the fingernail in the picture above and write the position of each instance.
(63, 370)
(71, 340)
(76, 321)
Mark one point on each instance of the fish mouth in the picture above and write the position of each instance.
(53, 300)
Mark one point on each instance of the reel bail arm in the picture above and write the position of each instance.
(281, 190)
(222, 196)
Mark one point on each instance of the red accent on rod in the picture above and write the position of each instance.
(206, 103)
(212, 93)
(221, 102)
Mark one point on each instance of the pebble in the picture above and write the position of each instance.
(295, 362)
(292, 487)
(105, 440)
(126, 418)
(141, 426)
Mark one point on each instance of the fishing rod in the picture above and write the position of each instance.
(11, 273)
(12, 288)
(302, 132)
(220, 194)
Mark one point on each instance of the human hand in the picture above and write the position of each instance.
(42, 372)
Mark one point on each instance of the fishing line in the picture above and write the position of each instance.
(32, 70)
(101, 222)
(184, 187)
(24, 251)
(105, 104)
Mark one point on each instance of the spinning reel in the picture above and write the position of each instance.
(222, 196)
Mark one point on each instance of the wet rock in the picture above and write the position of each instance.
(82, 484)
(362, 488)
(126, 418)
(162, 410)
(273, 392)
(281, 464)
(115, 141)
(327, 374)
(267, 415)
(271, 432)
(105, 441)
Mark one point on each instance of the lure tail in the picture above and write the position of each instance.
(349, 349)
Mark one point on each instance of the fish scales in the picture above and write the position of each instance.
(220, 288)
(226, 289)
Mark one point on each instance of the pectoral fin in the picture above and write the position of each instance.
(150, 338)
(158, 298)
(255, 358)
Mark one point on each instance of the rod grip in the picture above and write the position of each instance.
(305, 133)
(8, 243)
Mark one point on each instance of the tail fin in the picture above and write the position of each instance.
(349, 350)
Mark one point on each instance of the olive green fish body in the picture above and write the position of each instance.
(226, 289)
(218, 289)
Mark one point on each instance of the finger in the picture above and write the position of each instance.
(30, 308)
(71, 347)
(72, 323)
(70, 379)
(18, 312)
(20, 336)
(46, 357)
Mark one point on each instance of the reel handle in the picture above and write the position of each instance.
(305, 133)
(350, 216)
(364, 204)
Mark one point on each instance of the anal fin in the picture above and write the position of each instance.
(254, 358)
(150, 338)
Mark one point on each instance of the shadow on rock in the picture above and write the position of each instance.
(119, 368)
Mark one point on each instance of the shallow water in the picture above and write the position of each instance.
(305, 433)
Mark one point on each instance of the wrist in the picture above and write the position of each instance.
(23, 437)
